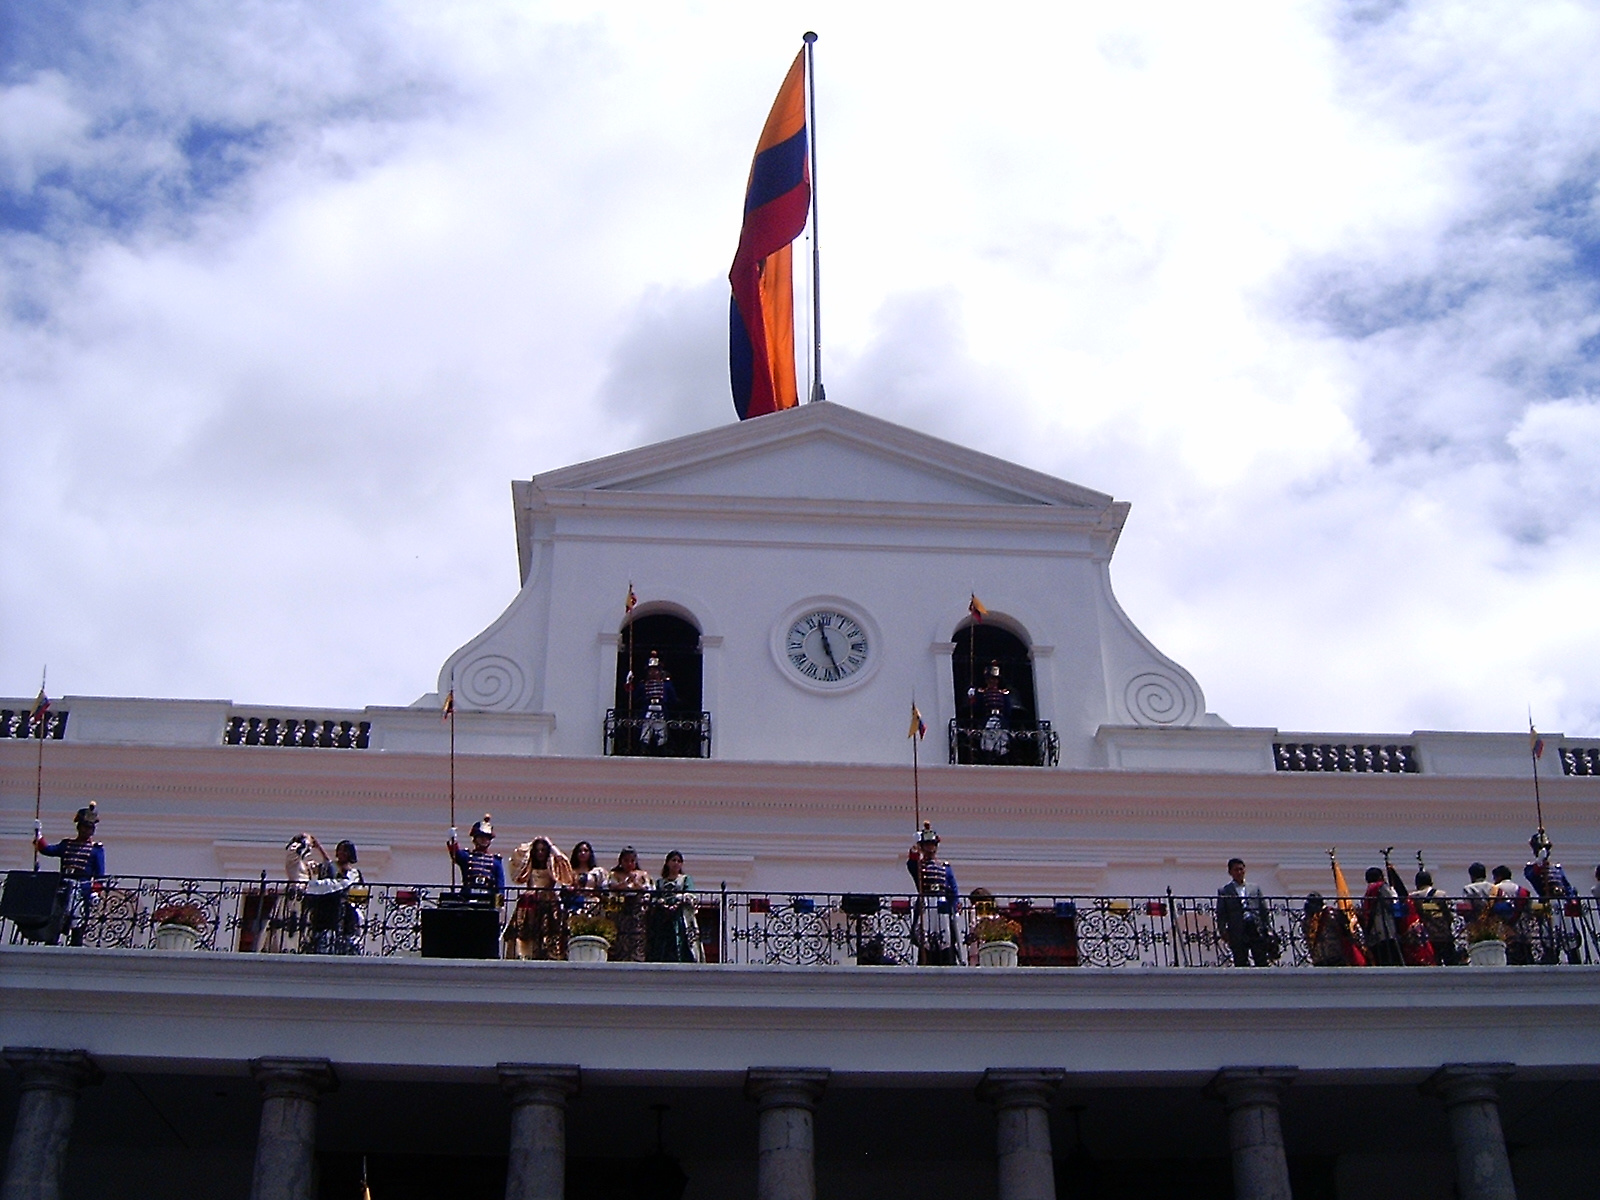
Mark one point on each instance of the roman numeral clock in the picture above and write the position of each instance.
(826, 644)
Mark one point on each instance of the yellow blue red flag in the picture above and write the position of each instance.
(777, 197)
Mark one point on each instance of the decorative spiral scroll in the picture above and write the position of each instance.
(490, 681)
(1154, 698)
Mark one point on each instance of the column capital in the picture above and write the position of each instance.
(293, 1078)
(1242, 1087)
(42, 1069)
(1020, 1087)
(540, 1083)
(1468, 1083)
(785, 1087)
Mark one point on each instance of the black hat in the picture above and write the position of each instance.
(483, 828)
(926, 834)
(89, 815)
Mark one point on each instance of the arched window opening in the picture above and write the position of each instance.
(656, 704)
(997, 715)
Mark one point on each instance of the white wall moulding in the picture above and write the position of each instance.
(458, 1019)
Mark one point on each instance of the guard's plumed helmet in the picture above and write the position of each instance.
(994, 670)
(483, 828)
(89, 815)
(1540, 843)
(926, 836)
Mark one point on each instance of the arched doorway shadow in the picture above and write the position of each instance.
(656, 709)
(997, 713)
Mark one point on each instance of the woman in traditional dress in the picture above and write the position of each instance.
(629, 888)
(674, 931)
(587, 875)
(538, 927)
(333, 909)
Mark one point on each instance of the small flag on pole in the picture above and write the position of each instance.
(919, 728)
(776, 201)
(1535, 743)
(628, 604)
(449, 704)
(976, 608)
(41, 709)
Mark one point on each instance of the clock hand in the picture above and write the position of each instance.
(827, 646)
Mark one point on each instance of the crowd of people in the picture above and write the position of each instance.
(1391, 925)
(645, 918)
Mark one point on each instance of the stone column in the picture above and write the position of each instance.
(50, 1083)
(1471, 1095)
(1255, 1136)
(1022, 1102)
(537, 1169)
(785, 1097)
(286, 1144)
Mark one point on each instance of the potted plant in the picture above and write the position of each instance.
(178, 925)
(589, 937)
(1486, 941)
(997, 941)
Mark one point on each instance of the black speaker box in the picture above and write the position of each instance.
(460, 933)
(32, 902)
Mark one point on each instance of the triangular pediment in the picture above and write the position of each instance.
(822, 452)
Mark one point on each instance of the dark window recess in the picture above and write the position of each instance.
(19, 723)
(1341, 756)
(1022, 739)
(684, 729)
(309, 732)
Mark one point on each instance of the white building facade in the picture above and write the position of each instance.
(805, 577)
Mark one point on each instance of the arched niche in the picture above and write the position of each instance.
(675, 639)
(1024, 741)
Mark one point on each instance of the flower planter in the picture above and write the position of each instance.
(1491, 953)
(176, 937)
(587, 948)
(997, 954)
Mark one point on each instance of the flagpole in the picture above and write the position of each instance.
(916, 785)
(41, 720)
(816, 251)
(1534, 749)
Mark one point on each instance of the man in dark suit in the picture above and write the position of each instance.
(1242, 918)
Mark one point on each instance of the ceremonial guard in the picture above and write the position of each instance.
(659, 695)
(83, 860)
(1242, 919)
(1550, 884)
(936, 919)
(483, 873)
(991, 705)
(333, 902)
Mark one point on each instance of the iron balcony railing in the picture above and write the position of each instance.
(670, 737)
(828, 929)
(1040, 747)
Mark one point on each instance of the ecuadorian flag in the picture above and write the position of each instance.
(761, 325)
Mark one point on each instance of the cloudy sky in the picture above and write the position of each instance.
(292, 291)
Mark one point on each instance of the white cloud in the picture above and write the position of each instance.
(293, 292)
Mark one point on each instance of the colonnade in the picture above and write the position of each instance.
(786, 1099)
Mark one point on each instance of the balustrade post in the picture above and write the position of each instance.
(286, 1143)
(1255, 1134)
(51, 1080)
(1471, 1095)
(785, 1097)
(1021, 1098)
(537, 1166)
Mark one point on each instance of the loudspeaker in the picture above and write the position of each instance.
(857, 904)
(32, 902)
(460, 933)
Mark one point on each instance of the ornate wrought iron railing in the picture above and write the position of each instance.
(1037, 747)
(670, 737)
(844, 929)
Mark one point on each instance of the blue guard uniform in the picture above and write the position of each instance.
(83, 860)
(1563, 930)
(483, 873)
(936, 926)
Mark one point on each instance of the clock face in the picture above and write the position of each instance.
(826, 647)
